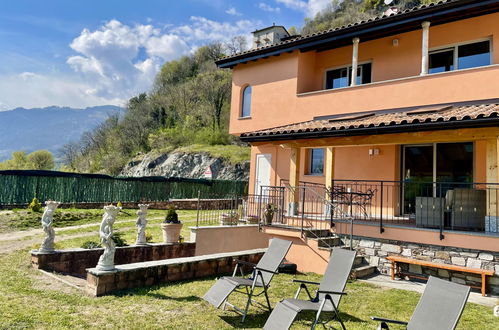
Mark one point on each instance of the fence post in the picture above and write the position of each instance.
(302, 210)
(381, 229)
(198, 206)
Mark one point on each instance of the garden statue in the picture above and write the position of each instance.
(47, 218)
(106, 260)
(141, 224)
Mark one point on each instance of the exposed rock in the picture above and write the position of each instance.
(391, 248)
(366, 243)
(407, 252)
(186, 165)
(442, 255)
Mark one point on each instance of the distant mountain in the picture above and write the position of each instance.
(47, 128)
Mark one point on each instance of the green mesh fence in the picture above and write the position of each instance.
(19, 187)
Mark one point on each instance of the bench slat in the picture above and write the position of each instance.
(441, 266)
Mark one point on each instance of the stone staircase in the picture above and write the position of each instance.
(326, 241)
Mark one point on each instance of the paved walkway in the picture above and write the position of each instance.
(386, 282)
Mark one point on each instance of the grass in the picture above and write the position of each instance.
(26, 301)
(232, 153)
(30, 300)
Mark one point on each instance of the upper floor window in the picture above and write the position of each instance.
(341, 77)
(460, 57)
(246, 104)
(316, 161)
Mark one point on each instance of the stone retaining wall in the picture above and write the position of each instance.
(376, 251)
(76, 261)
(154, 272)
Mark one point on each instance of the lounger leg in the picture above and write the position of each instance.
(316, 320)
(337, 314)
(249, 300)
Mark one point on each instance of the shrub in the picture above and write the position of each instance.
(171, 215)
(118, 240)
(119, 205)
(90, 245)
(148, 237)
(35, 205)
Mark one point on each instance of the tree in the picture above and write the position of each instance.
(41, 160)
(214, 88)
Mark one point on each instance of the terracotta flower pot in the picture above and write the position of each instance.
(171, 232)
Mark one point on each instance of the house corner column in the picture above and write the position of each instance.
(329, 177)
(424, 54)
(294, 180)
(492, 158)
(355, 61)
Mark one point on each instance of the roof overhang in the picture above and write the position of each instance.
(406, 21)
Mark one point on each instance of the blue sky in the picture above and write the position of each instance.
(92, 52)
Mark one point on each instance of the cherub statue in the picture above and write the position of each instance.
(106, 260)
(141, 224)
(47, 219)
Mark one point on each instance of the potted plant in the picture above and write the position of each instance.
(171, 226)
(268, 213)
(229, 219)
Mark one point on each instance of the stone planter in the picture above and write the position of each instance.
(171, 232)
(227, 219)
(252, 219)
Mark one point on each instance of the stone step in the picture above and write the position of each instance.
(362, 271)
(329, 242)
(318, 233)
(359, 260)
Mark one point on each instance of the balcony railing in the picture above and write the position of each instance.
(444, 206)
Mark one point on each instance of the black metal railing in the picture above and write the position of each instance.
(459, 206)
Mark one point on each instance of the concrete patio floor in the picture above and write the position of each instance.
(385, 281)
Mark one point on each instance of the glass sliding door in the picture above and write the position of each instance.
(418, 172)
(450, 165)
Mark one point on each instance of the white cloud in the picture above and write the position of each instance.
(203, 29)
(114, 62)
(265, 7)
(310, 7)
(232, 11)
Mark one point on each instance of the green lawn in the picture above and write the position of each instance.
(30, 300)
(27, 302)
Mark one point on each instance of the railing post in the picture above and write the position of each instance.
(198, 208)
(302, 211)
(442, 214)
(259, 198)
(381, 229)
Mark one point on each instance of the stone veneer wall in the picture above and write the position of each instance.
(76, 261)
(375, 252)
(154, 272)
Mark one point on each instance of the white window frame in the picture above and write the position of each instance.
(241, 116)
(455, 47)
(349, 73)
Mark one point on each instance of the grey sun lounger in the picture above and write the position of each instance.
(440, 307)
(327, 298)
(260, 278)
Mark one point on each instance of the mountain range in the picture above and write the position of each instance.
(48, 128)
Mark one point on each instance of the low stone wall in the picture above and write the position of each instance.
(76, 261)
(154, 272)
(376, 251)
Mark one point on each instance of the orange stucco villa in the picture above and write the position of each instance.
(402, 160)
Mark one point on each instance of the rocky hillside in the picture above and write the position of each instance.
(186, 165)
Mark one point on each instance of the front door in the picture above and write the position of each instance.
(262, 174)
(417, 174)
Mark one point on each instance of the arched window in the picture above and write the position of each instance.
(246, 105)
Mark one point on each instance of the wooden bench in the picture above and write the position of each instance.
(396, 270)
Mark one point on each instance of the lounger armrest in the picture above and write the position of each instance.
(332, 292)
(266, 270)
(382, 319)
(242, 262)
(305, 282)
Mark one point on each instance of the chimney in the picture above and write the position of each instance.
(269, 36)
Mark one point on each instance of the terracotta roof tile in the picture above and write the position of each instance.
(425, 114)
(337, 28)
